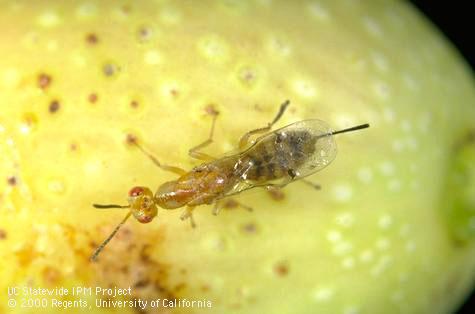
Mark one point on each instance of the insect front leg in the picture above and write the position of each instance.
(176, 170)
(195, 152)
(244, 141)
(188, 214)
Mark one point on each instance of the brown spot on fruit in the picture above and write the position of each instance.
(142, 283)
(144, 34)
(134, 104)
(110, 69)
(249, 228)
(44, 80)
(3, 234)
(54, 106)
(92, 98)
(281, 269)
(12, 181)
(131, 139)
(211, 110)
(92, 39)
(174, 92)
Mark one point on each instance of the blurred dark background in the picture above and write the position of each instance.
(455, 21)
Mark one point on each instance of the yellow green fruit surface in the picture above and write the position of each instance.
(391, 231)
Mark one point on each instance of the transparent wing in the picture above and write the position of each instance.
(321, 143)
(285, 155)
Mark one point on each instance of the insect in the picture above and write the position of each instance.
(272, 160)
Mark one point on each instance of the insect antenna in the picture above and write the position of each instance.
(110, 206)
(281, 111)
(103, 244)
(354, 128)
(358, 127)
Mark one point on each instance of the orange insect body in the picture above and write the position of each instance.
(202, 185)
(273, 160)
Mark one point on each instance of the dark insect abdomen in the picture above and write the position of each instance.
(278, 155)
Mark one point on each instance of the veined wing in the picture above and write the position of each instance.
(285, 155)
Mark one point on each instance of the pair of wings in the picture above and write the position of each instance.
(323, 154)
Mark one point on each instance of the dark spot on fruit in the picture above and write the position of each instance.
(281, 269)
(276, 194)
(174, 92)
(54, 106)
(142, 283)
(211, 110)
(131, 139)
(3, 234)
(134, 104)
(144, 34)
(44, 80)
(92, 98)
(249, 228)
(205, 288)
(110, 69)
(73, 147)
(12, 180)
(92, 39)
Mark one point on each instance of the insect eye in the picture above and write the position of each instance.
(136, 191)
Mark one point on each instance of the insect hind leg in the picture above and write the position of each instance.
(195, 152)
(244, 141)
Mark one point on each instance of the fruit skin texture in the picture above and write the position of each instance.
(383, 234)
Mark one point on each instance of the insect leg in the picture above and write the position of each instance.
(216, 208)
(188, 214)
(244, 141)
(168, 168)
(194, 152)
(232, 203)
(275, 186)
(316, 186)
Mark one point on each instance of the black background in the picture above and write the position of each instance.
(454, 20)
